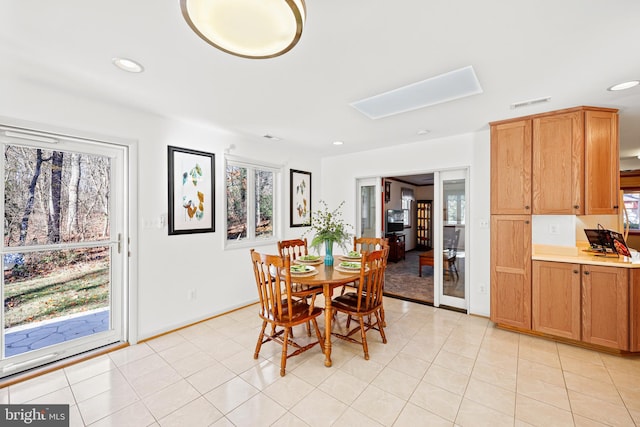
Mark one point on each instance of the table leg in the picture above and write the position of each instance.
(328, 316)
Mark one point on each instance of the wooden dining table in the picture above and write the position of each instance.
(329, 278)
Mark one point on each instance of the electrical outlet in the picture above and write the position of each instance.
(554, 229)
(484, 223)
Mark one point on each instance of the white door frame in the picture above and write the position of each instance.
(368, 182)
(123, 230)
(438, 293)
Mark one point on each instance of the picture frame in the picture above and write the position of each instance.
(300, 198)
(191, 191)
(387, 191)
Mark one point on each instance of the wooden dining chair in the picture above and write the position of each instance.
(293, 249)
(370, 244)
(279, 309)
(365, 303)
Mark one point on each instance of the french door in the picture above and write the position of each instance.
(369, 207)
(64, 249)
(452, 267)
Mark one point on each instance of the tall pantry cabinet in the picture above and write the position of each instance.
(563, 162)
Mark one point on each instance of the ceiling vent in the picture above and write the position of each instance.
(432, 91)
(530, 102)
(271, 137)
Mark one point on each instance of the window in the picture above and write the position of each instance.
(632, 207)
(455, 209)
(407, 201)
(251, 204)
(630, 186)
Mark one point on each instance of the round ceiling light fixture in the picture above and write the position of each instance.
(625, 85)
(129, 65)
(254, 29)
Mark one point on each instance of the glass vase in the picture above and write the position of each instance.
(328, 257)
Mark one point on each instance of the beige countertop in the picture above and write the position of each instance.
(578, 256)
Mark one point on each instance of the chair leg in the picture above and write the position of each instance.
(379, 319)
(363, 333)
(259, 344)
(318, 334)
(283, 359)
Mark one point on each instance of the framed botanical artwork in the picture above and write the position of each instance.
(191, 191)
(387, 191)
(300, 200)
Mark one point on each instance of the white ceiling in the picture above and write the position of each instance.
(570, 50)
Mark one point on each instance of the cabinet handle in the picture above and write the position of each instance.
(586, 273)
(615, 207)
(526, 222)
(575, 271)
(576, 206)
(527, 207)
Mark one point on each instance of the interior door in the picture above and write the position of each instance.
(453, 264)
(369, 207)
(64, 249)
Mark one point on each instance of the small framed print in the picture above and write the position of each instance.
(191, 191)
(300, 198)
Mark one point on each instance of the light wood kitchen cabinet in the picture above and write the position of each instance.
(558, 164)
(602, 163)
(605, 306)
(511, 270)
(511, 168)
(555, 299)
(562, 162)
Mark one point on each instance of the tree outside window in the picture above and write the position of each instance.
(250, 202)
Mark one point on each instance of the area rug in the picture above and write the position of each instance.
(402, 281)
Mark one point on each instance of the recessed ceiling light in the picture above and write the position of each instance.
(338, 142)
(128, 65)
(423, 132)
(271, 137)
(625, 85)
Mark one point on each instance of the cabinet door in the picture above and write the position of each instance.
(605, 306)
(555, 299)
(601, 163)
(558, 164)
(511, 168)
(511, 270)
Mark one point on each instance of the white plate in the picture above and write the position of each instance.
(351, 258)
(346, 267)
(310, 261)
(307, 269)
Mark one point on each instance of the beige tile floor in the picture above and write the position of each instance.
(439, 368)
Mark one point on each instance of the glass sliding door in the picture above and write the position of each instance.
(453, 235)
(369, 208)
(64, 247)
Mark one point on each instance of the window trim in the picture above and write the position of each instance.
(277, 197)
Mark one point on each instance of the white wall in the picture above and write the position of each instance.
(167, 266)
(469, 150)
